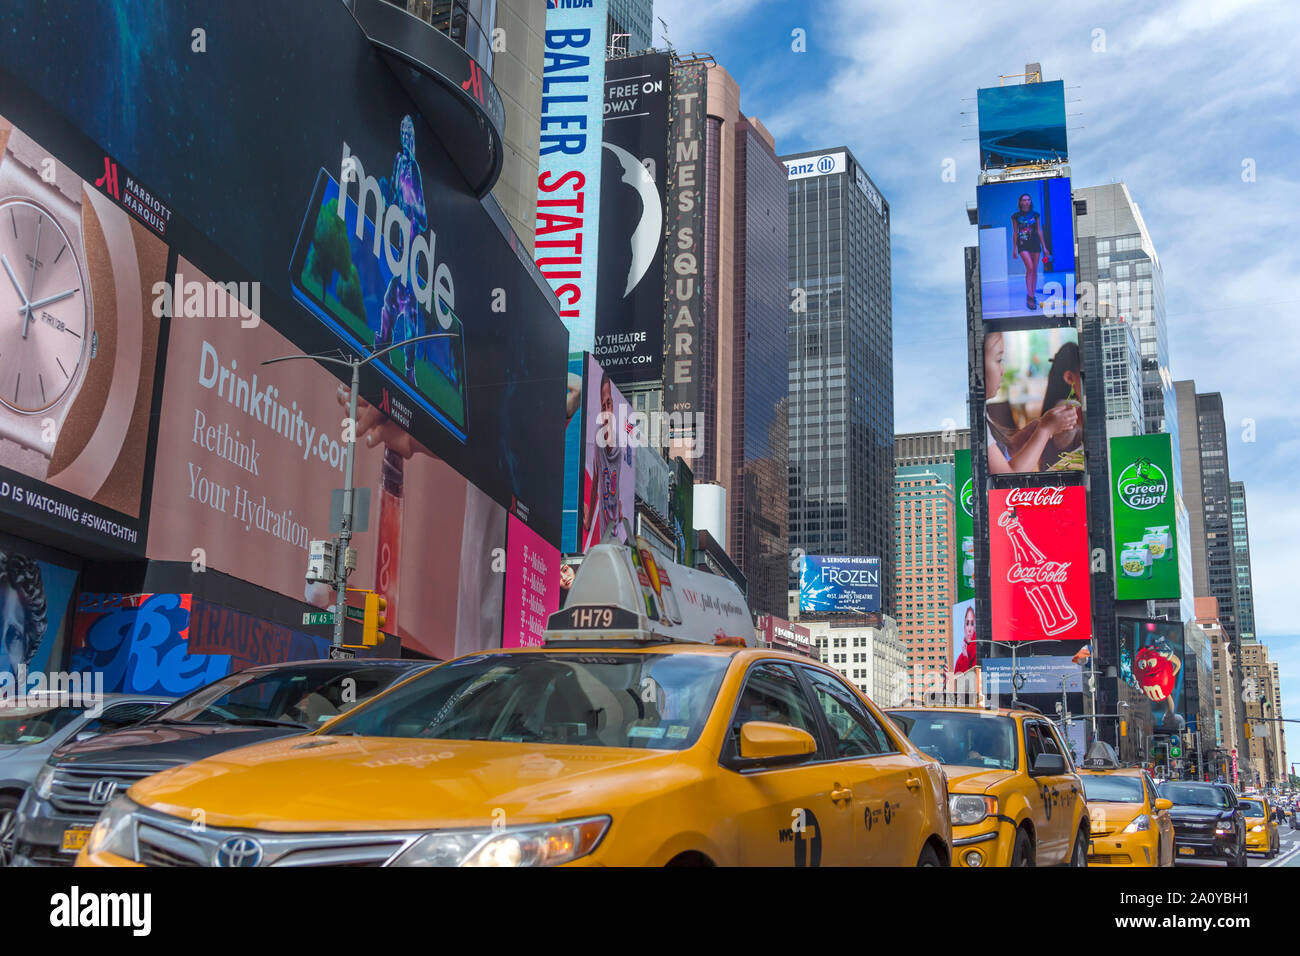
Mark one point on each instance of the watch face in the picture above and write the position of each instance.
(44, 317)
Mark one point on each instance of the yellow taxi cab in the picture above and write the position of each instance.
(1262, 834)
(1015, 799)
(1130, 823)
(646, 730)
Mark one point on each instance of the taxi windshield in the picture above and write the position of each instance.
(1252, 808)
(1108, 789)
(969, 740)
(1195, 795)
(650, 701)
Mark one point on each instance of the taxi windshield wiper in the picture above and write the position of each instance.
(264, 722)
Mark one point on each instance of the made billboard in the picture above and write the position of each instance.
(1038, 564)
(839, 584)
(1033, 409)
(1042, 674)
(1144, 518)
(965, 542)
(1022, 124)
(569, 161)
(633, 201)
(1151, 658)
(1026, 243)
(681, 506)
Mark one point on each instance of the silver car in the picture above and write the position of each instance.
(32, 727)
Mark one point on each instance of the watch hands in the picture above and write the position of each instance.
(36, 251)
(49, 299)
(26, 308)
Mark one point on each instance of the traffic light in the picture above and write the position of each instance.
(375, 619)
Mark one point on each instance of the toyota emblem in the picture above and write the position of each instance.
(239, 851)
(102, 790)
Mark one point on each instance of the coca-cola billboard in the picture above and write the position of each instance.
(1038, 564)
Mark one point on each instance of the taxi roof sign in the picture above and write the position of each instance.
(624, 592)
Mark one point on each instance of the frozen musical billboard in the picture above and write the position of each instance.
(1038, 564)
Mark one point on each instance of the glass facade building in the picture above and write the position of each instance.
(1122, 369)
(841, 473)
(636, 19)
(759, 517)
(1241, 562)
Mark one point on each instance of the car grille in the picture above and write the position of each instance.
(167, 841)
(1195, 827)
(44, 855)
(72, 785)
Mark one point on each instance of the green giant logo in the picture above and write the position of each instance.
(967, 496)
(1142, 485)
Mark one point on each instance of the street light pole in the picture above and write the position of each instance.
(345, 520)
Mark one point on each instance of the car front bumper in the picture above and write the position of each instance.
(38, 833)
(984, 844)
(1124, 849)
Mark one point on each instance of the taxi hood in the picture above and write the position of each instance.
(367, 783)
(974, 779)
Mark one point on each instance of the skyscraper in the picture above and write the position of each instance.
(1241, 562)
(726, 343)
(1120, 265)
(635, 18)
(929, 448)
(841, 478)
(924, 531)
(1122, 368)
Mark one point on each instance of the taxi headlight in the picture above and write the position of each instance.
(113, 831)
(44, 784)
(966, 809)
(1257, 828)
(1139, 824)
(548, 844)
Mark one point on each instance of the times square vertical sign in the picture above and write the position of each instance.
(684, 296)
(569, 158)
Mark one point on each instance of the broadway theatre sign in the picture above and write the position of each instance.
(1038, 564)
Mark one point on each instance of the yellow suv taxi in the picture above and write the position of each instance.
(615, 743)
(1015, 799)
(1262, 834)
(1130, 823)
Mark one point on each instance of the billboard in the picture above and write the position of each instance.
(1026, 243)
(1022, 124)
(532, 585)
(1033, 407)
(35, 597)
(1142, 505)
(80, 337)
(240, 212)
(684, 310)
(653, 478)
(245, 471)
(681, 506)
(839, 584)
(574, 448)
(1151, 657)
(1038, 564)
(609, 466)
(964, 653)
(806, 167)
(633, 195)
(1043, 674)
(569, 162)
(965, 542)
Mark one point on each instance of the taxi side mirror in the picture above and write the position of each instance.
(1163, 804)
(764, 744)
(1047, 765)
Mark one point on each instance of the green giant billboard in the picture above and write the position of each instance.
(965, 542)
(1142, 498)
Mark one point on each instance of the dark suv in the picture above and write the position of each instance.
(247, 707)
(1208, 819)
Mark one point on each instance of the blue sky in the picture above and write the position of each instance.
(1176, 99)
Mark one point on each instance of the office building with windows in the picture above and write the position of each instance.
(1241, 562)
(631, 25)
(1122, 369)
(926, 577)
(929, 448)
(841, 472)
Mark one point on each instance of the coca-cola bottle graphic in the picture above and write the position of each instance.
(1041, 578)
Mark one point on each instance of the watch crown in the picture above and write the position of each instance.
(94, 344)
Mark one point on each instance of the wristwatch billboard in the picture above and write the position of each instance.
(47, 328)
